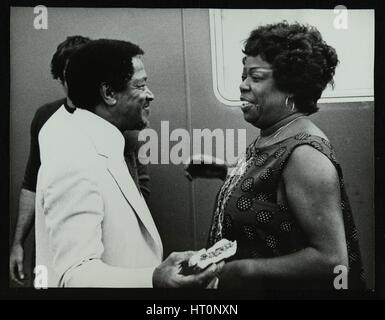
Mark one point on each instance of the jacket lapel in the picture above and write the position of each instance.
(119, 171)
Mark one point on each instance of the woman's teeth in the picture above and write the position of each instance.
(248, 104)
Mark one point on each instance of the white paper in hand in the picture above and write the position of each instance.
(223, 249)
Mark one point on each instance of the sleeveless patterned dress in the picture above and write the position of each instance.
(247, 209)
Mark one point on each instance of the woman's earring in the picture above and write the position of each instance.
(287, 104)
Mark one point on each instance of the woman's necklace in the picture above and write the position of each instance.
(275, 134)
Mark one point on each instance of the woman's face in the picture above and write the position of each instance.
(264, 104)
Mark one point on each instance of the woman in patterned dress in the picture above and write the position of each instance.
(285, 201)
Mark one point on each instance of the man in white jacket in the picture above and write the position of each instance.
(93, 227)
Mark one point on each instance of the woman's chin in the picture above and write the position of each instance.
(250, 118)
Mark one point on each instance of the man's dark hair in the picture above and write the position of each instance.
(302, 62)
(102, 61)
(63, 51)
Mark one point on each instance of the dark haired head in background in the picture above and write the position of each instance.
(63, 51)
(303, 64)
(99, 62)
(26, 212)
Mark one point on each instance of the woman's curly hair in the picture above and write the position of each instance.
(303, 64)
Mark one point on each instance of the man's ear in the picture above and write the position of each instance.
(107, 94)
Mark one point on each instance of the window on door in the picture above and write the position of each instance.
(350, 32)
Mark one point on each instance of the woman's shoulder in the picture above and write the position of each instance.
(307, 133)
(306, 125)
(303, 135)
(310, 152)
(312, 170)
(306, 140)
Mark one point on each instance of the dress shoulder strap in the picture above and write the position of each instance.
(317, 142)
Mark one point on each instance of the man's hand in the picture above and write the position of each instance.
(204, 166)
(169, 273)
(16, 260)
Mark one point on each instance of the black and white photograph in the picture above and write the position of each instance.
(214, 149)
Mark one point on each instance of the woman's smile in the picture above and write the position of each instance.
(247, 105)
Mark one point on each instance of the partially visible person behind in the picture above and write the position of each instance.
(26, 213)
(285, 202)
(93, 227)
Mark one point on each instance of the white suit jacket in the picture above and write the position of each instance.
(93, 227)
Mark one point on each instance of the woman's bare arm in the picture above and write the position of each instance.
(313, 193)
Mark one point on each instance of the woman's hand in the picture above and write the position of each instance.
(204, 166)
(170, 273)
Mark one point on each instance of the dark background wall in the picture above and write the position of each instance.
(178, 62)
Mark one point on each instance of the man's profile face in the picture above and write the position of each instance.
(133, 104)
